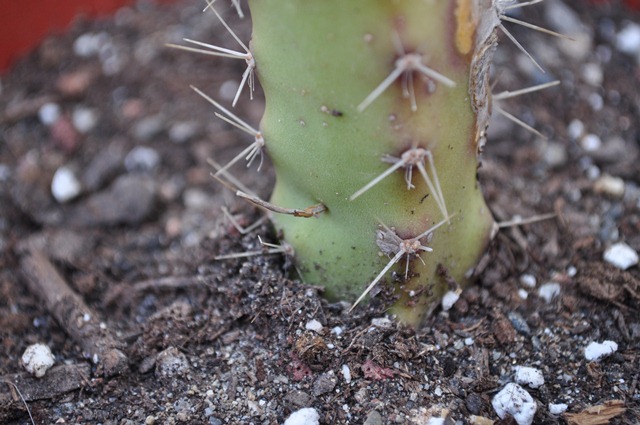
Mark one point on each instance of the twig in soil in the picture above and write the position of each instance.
(123, 294)
(57, 381)
(21, 398)
(74, 316)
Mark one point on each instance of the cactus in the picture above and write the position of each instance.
(375, 120)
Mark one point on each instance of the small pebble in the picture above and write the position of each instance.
(518, 323)
(523, 294)
(449, 299)
(549, 291)
(373, 418)
(575, 130)
(592, 74)
(346, 373)
(528, 280)
(37, 359)
(591, 142)
(148, 127)
(306, 416)
(558, 409)
(436, 421)
(170, 363)
(89, 44)
(64, 185)
(529, 376)
(381, 322)
(337, 331)
(596, 350)
(141, 158)
(84, 119)
(49, 113)
(515, 401)
(628, 39)
(313, 325)
(182, 132)
(609, 185)
(324, 384)
(621, 255)
(555, 155)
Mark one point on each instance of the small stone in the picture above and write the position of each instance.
(621, 255)
(449, 299)
(373, 418)
(381, 322)
(337, 331)
(170, 363)
(558, 409)
(298, 399)
(324, 383)
(528, 280)
(306, 416)
(64, 135)
(346, 373)
(145, 129)
(549, 291)
(519, 323)
(182, 132)
(592, 74)
(64, 185)
(523, 294)
(529, 376)
(75, 83)
(89, 44)
(609, 185)
(575, 130)
(628, 39)
(129, 200)
(49, 113)
(515, 401)
(141, 158)
(591, 142)
(37, 359)
(313, 325)
(555, 155)
(84, 119)
(102, 168)
(596, 350)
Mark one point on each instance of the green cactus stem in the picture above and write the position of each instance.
(388, 91)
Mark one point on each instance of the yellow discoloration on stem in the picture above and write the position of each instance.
(465, 26)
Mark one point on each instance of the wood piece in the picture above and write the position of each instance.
(73, 315)
(57, 381)
(597, 415)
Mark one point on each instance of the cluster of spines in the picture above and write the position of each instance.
(418, 157)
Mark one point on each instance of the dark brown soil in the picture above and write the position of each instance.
(181, 338)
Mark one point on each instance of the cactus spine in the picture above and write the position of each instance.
(329, 133)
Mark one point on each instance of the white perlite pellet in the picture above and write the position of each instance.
(449, 299)
(37, 359)
(596, 350)
(515, 401)
(621, 255)
(64, 185)
(306, 416)
(549, 291)
(529, 376)
(558, 409)
(313, 325)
